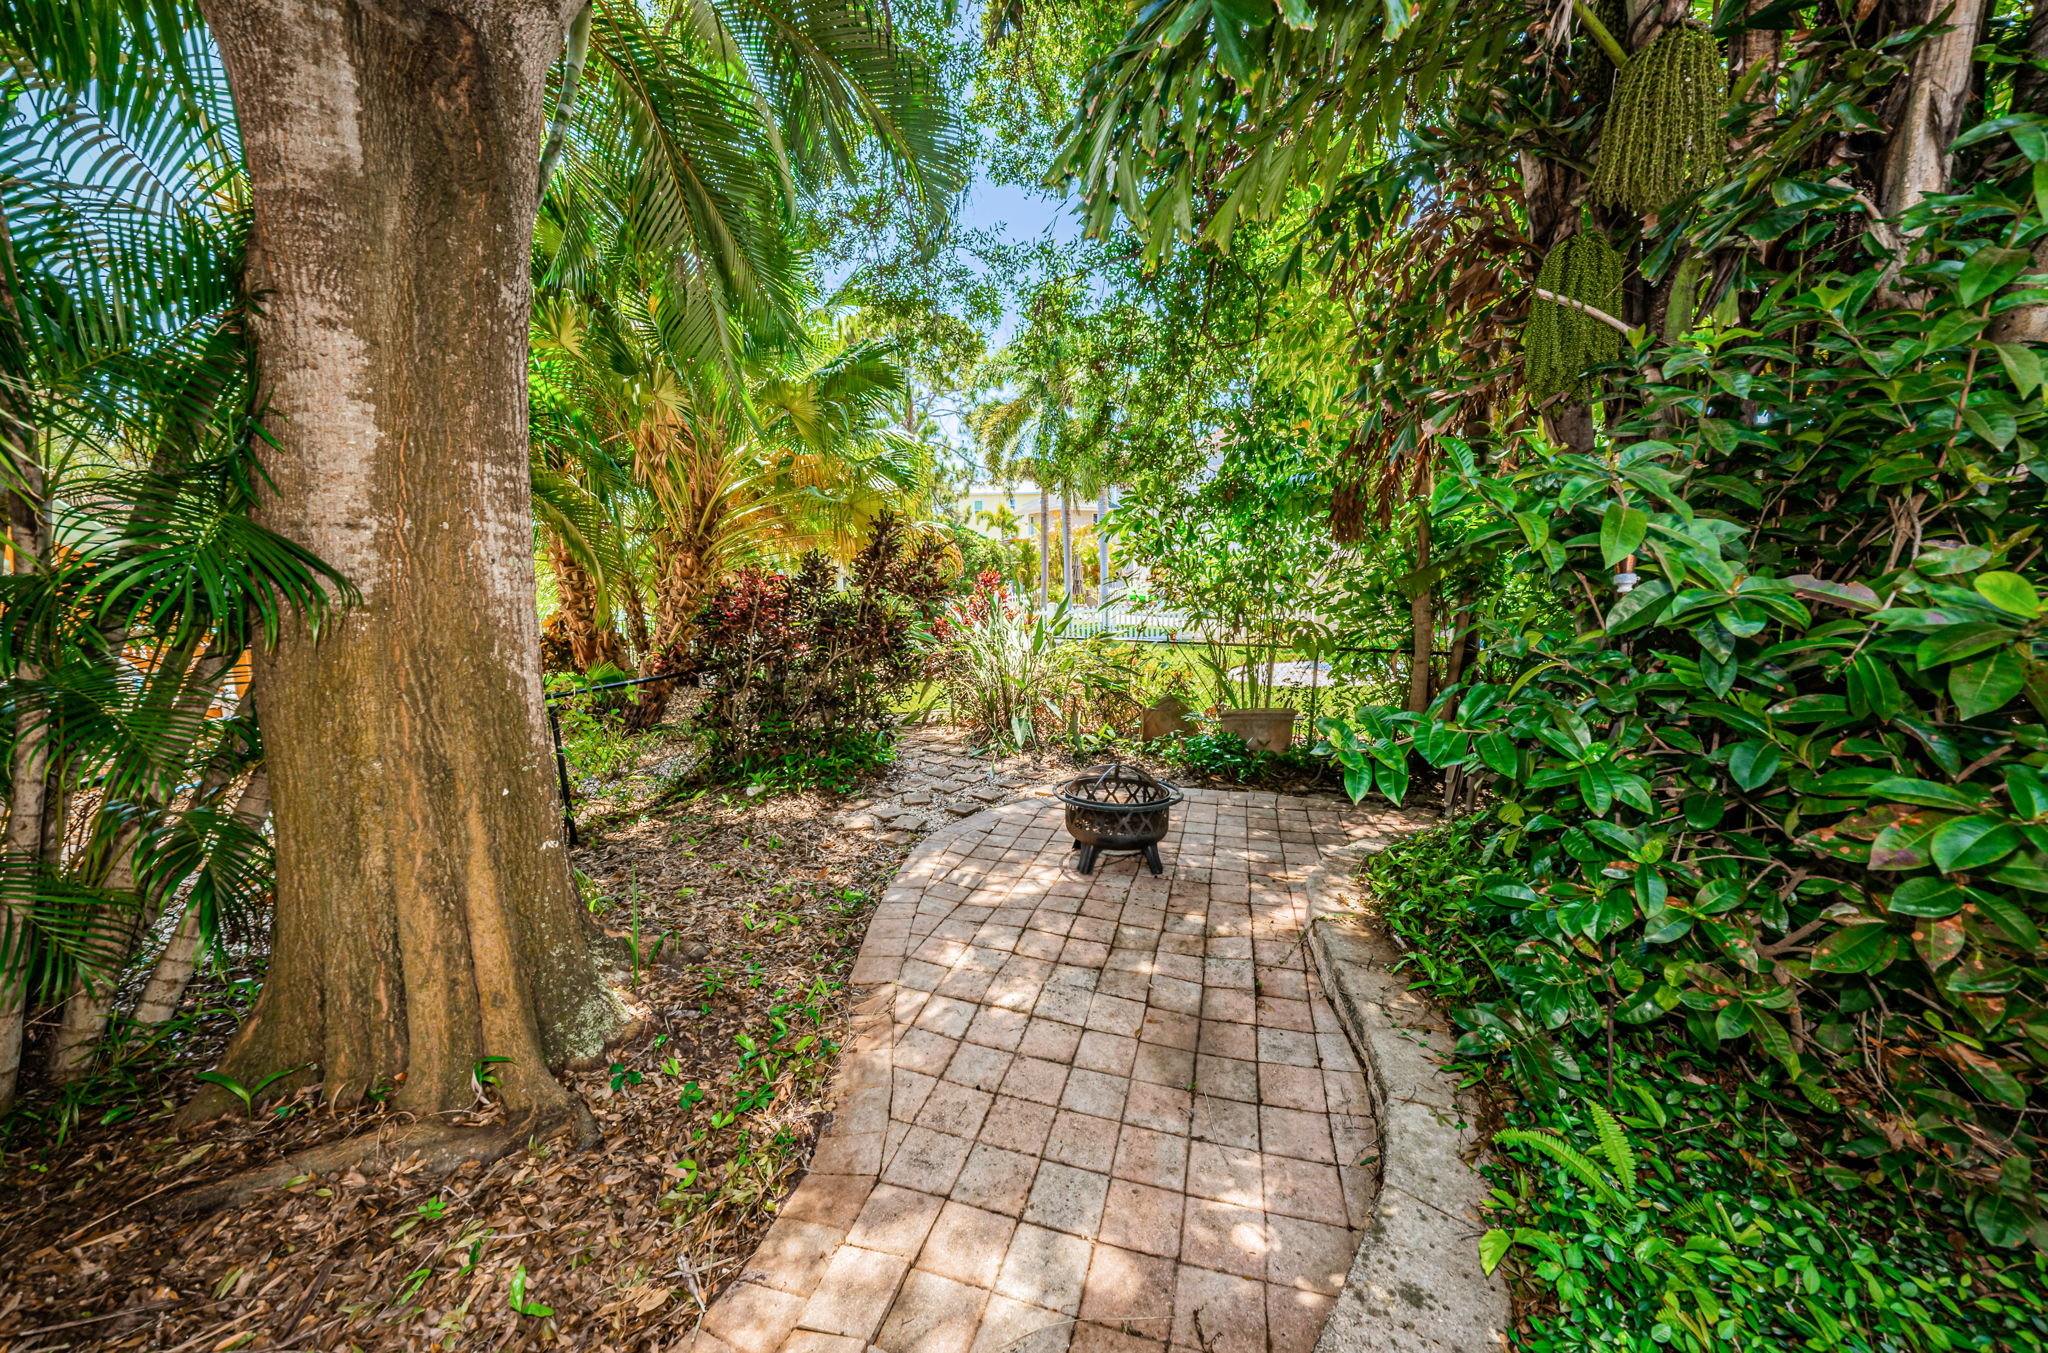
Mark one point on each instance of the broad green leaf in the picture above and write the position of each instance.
(1931, 794)
(1493, 1247)
(1955, 642)
(1638, 607)
(1872, 687)
(1987, 684)
(1994, 426)
(2029, 873)
(1596, 786)
(2021, 363)
(2028, 791)
(1988, 271)
(1857, 948)
(2009, 917)
(1926, 896)
(1967, 843)
(1621, 532)
(2009, 592)
(1752, 764)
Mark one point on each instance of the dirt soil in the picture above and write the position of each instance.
(746, 913)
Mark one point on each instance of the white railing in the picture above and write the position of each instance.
(1145, 623)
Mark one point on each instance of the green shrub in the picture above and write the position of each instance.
(1661, 1199)
(1786, 790)
(806, 668)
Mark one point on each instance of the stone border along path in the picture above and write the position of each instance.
(1108, 1115)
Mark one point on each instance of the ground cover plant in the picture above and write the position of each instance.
(1653, 1193)
(732, 921)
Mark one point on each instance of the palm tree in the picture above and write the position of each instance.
(137, 577)
(1021, 436)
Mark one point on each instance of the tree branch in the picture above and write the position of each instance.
(572, 78)
(1592, 312)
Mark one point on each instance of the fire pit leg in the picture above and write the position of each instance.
(1151, 859)
(1087, 856)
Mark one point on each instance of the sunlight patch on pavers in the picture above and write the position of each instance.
(1080, 1114)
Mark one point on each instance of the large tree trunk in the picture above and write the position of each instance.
(29, 775)
(1938, 88)
(425, 916)
(165, 990)
(1550, 199)
(2030, 86)
(576, 603)
(28, 540)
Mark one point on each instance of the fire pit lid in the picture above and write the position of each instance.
(1119, 786)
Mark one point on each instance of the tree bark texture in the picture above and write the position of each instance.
(1549, 197)
(590, 643)
(425, 916)
(1422, 617)
(1937, 92)
(29, 773)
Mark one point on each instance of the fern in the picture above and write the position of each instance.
(1614, 1145)
(1568, 1157)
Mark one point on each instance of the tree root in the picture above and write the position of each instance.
(437, 1149)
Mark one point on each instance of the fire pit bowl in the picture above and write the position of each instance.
(1119, 809)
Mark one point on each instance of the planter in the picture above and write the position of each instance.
(1119, 809)
(1163, 720)
(1264, 730)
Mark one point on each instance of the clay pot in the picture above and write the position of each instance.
(1163, 720)
(1264, 730)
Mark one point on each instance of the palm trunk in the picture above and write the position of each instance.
(590, 643)
(1067, 570)
(89, 1005)
(425, 915)
(636, 615)
(1044, 549)
(1422, 616)
(172, 974)
(1102, 545)
(29, 775)
(1550, 192)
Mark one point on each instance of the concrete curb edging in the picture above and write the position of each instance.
(1415, 1285)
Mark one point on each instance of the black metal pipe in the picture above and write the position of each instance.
(562, 776)
(612, 685)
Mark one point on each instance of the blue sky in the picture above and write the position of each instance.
(1021, 213)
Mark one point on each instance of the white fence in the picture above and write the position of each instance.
(1144, 624)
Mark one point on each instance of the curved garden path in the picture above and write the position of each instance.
(1109, 1114)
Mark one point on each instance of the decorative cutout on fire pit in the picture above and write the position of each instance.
(1120, 810)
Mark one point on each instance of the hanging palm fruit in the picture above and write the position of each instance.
(1662, 138)
(1561, 343)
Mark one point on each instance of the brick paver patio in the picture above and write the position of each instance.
(1107, 1114)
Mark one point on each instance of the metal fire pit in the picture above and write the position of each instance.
(1119, 809)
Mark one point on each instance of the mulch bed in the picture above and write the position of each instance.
(748, 914)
